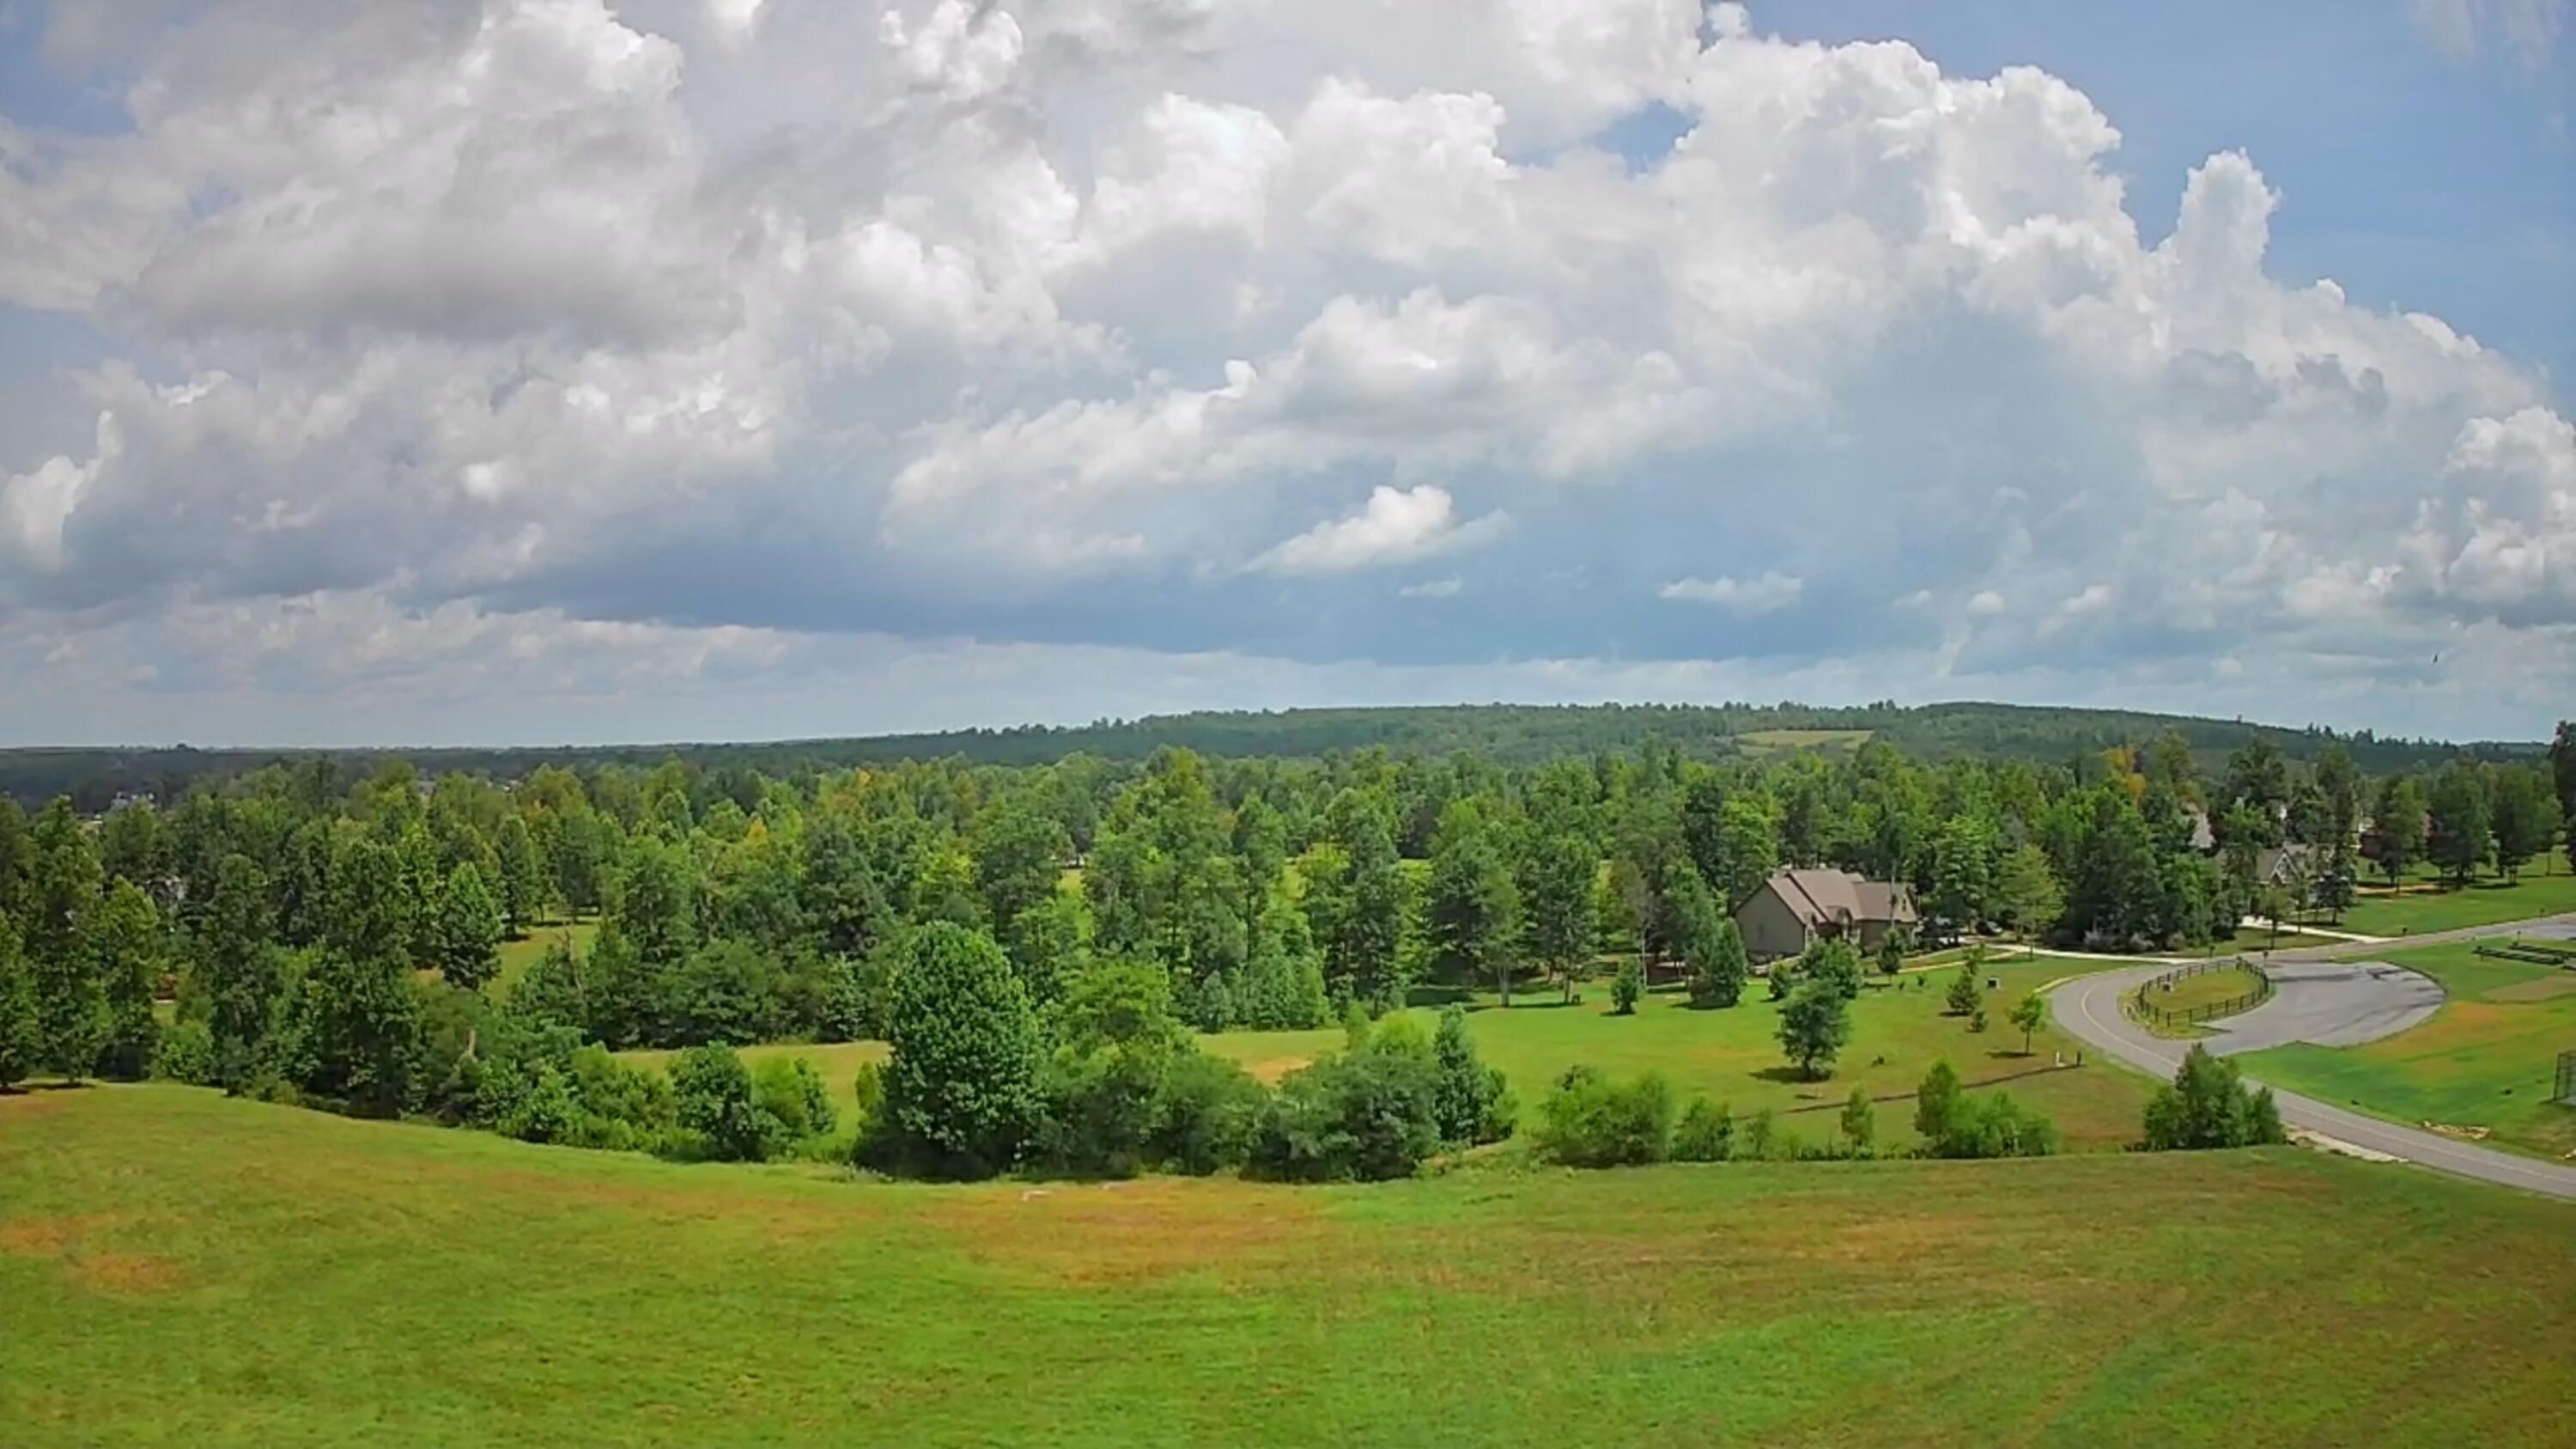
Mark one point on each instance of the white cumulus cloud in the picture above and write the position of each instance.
(1771, 591)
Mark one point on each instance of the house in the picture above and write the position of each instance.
(1796, 907)
(2285, 865)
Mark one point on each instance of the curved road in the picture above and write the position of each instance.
(2339, 1006)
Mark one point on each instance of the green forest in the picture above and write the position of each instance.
(1504, 733)
(1038, 942)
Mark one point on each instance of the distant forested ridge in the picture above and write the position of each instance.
(1510, 734)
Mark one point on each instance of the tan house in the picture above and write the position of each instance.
(1796, 907)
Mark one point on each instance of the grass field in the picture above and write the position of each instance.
(178, 1267)
(517, 956)
(1734, 1056)
(2486, 1059)
(2424, 905)
(2254, 940)
(1768, 742)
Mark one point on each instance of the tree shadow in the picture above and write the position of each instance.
(1789, 1074)
(51, 1084)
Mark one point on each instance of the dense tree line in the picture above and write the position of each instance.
(1515, 735)
(291, 931)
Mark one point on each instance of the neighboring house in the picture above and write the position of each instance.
(2282, 864)
(1796, 907)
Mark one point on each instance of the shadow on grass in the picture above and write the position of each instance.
(56, 1084)
(1790, 1075)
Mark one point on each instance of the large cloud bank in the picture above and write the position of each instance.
(547, 367)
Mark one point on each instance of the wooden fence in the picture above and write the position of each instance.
(2208, 1010)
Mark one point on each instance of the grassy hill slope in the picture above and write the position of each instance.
(179, 1267)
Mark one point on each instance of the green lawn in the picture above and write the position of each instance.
(517, 956)
(2254, 940)
(2208, 988)
(1734, 1056)
(2488, 1058)
(1770, 742)
(2425, 905)
(180, 1268)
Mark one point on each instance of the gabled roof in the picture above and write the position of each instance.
(1839, 898)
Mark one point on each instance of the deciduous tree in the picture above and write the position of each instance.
(2459, 821)
(63, 889)
(961, 1083)
(2029, 1013)
(123, 935)
(1815, 1022)
(468, 929)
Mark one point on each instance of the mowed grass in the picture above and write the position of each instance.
(1734, 1055)
(517, 956)
(2207, 989)
(182, 1268)
(2487, 1058)
(1768, 742)
(2422, 905)
(2254, 940)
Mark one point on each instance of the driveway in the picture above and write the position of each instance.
(2339, 999)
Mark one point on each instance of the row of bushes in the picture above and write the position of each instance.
(1591, 1120)
(1107, 1082)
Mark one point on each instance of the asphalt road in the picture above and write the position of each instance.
(2330, 1003)
(2339, 1002)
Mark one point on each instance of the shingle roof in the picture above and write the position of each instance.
(1839, 898)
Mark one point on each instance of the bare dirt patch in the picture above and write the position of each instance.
(53, 1236)
(126, 1273)
(1270, 1069)
(68, 1239)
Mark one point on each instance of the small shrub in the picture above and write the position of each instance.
(549, 1110)
(1859, 1122)
(1591, 1121)
(790, 1090)
(1206, 1114)
(712, 1090)
(1965, 993)
(1936, 1102)
(1892, 948)
(186, 1053)
(1475, 1104)
(1368, 1115)
(1705, 1133)
(1997, 1126)
(1626, 987)
(1760, 1138)
(1953, 1124)
(2208, 1106)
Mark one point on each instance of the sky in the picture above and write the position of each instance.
(534, 371)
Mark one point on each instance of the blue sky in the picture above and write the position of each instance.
(471, 370)
(2416, 177)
